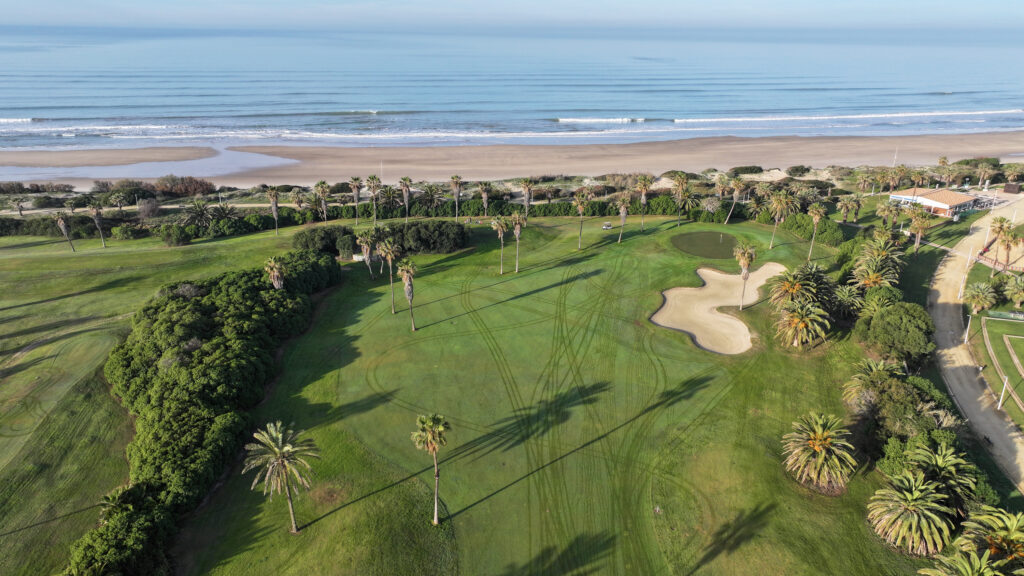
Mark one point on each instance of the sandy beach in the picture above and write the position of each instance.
(309, 164)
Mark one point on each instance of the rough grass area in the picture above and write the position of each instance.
(586, 439)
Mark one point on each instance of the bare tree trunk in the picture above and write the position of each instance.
(501, 258)
(813, 236)
(772, 243)
(375, 210)
(579, 241)
(743, 291)
(412, 318)
(437, 477)
(366, 257)
(391, 281)
(517, 255)
(643, 212)
(291, 508)
(621, 226)
(100, 230)
(731, 208)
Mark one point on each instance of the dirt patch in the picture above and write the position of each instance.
(695, 310)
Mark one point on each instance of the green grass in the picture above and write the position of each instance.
(62, 436)
(586, 439)
(996, 330)
(916, 278)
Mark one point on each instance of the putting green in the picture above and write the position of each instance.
(707, 244)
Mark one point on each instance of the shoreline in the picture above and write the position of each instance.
(304, 165)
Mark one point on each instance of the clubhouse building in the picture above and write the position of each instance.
(941, 202)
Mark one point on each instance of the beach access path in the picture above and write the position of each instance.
(976, 400)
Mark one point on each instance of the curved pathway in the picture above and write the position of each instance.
(976, 401)
(695, 310)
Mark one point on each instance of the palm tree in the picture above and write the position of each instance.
(848, 301)
(979, 296)
(738, 187)
(223, 211)
(872, 272)
(19, 204)
(643, 186)
(389, 251)
(322, 191)
(389, 196)
(860, 389)
(365, 239)
(405, 183)
(683, 195)
(373, 187)
(818, 453)
(885, 211)
(791, 286)
(911, 514)
(527, 185)
(802, 323)
(486, 188)
(1013, 171)
(780, 204)
(580, 201)
(500, 225)
(816, 211)
(969, 564)
(517, 221)
(884, 250)
(299, 197)
(431, 435)
(996, 531)
(355, 184)
(846, 205)
(920, 221)
(97, 217)
(281, 455)
(275, 271)
(947, 468)
(197, 214)
(863, 180)
(273, 194)
(456, 192)
(1007, 241)
(1013, 289)
(62, 224)
(622, 203)
(407, 270)
(745, 254)
(985, 172)
(431, 196)
(999, 228)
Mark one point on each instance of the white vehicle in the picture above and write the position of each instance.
(606, 226)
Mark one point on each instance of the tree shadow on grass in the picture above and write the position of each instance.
(47, 521)
(49, 326)
(11, 371)
(56, 338)
(583, 556)
(31, 244)
(730, 536)
(115, 283)
(326, 414)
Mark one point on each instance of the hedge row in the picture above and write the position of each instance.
(417, 237)
(829, 232)
(196, 360)
(79, 225)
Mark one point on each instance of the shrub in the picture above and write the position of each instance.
(148, 208)
(179, 186)
(321, 238)
(798, 170)
(128, 231)
(175, 235)
(903, 331)
(740, 170)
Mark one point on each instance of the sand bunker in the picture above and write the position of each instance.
(694, 310)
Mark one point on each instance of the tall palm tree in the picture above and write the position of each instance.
(517, 221)
(389, 197)
(407, 270)
(818, 453)
(848, 301)
(273, 195)
(456, 192)
(979, 296)
(885, 211)
(97, 217)
(682, 194)
(643, 186)
(1007, 240)
(738, 187)
(486, 188)
(999, 227)
(500, 225)
(19, 205)
(527, 186)
(1013, 171)
(920, 221)
(580, 202)
(275, 271)
(911, 514)
(389, 251)
(365, 239)
(405, 183)
(299, 197)
(431, 435)
(745, 253)
(969, 564)
(373, 187)
(863, 180)
(780, 204)
(985, 172)
(622, 203)
(802, 323)
(62, 224)
(431, 197)
(355, 184)
(873, 272)
(323, 192)
(996, 531)
(816, 211)
(947, 468)
(1013, 289)
(282, 456)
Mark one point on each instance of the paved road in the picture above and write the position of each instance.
(977, 402)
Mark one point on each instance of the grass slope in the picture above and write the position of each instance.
(586, 439)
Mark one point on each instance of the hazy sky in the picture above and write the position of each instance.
(973, 17)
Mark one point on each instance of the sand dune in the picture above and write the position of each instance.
(695, 310)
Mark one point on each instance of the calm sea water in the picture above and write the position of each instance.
(77, 89)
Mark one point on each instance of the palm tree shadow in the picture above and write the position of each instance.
(730, 536)
(8, 372)
(582, 557)
(330, 413)
(115, 283)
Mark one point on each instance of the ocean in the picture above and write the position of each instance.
(92, 88)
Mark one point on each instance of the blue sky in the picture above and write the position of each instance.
(973, 17)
